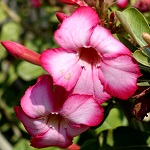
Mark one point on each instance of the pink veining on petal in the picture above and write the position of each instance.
(107, 45)
(37, 100)
(100, 94)
(119, 76)
(80, 64)
(76, 30)
(85, 110)
(32, 125)
(62, 66)
(53, 124)
(56, 136)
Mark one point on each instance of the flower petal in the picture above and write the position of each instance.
(98, 89)
(74, 129)
(62, 66)
(84, 84)
(105, 44)
(82, 110)
(56, 136)
(76, 30)
(89, 84)
(119, 76)
(38, 99)
(33, 126)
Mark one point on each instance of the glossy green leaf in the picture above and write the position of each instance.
(147, 51)
(29, 71)
(134, 23)
(141, 58)
(110, 123)
(129, 45)
(91, 144)
(123, 138)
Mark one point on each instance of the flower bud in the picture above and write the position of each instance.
(61, 16)
(21, 52)
(122, 3)
(73, 2)
(146, 37)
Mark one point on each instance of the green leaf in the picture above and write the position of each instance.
(10, 31)
(29, 71)
(123, 138)
(23, 144)
(126, 43)
(134, 23)
(109, 123)
(147, 51)
(141, 58)
(90, 144)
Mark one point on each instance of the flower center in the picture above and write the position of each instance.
(55, 121)
(89, 56)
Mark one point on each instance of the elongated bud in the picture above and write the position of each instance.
(74, 2)
(146, 37)
(122, 3)
(61, 16)
(21, 52)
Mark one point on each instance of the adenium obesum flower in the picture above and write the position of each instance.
(54, 118)
(90, 60)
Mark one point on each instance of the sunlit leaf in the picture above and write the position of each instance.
(114, 120)
(134, 23)
(23, 144)
(123, 138)
(29, 71)
(141, 58)
(10, 31)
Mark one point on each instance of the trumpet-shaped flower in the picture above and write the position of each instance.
(53, 119)
(90, 60)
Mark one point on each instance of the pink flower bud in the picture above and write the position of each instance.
(73, 2)
(122, 3)
(61, 16)
(21, 52)
(36, 3)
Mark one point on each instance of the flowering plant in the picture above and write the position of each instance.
(92, 69)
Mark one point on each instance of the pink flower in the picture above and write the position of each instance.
(122, 3)
(53, 119)
(90, 60)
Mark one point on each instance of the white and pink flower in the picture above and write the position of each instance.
(53, 119)
(90, 60)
